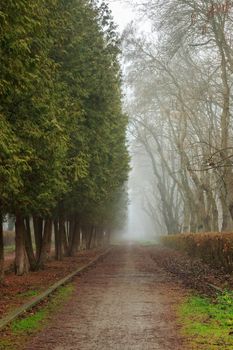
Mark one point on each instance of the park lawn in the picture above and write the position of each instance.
(208, 323)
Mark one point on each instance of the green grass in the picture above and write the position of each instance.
(22, 328)
(29, 293)
(208, 324)
(30, 323)
(9, 249)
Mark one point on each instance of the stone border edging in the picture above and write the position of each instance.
(217, 289)
(35, 301)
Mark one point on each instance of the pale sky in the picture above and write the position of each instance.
(122, 13)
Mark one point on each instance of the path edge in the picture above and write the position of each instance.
(5, 321)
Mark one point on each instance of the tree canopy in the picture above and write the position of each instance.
(63, 149)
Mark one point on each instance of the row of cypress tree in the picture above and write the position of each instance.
(63, 153)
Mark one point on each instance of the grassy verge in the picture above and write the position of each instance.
(9, 249)
(208, 323)
(29, 294)
(20, 330)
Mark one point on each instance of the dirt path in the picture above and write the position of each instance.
(124, 303)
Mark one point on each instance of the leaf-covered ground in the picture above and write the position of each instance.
(206, 316)
(172, 292)
(192, 272)
(17, 290)
(17, 334)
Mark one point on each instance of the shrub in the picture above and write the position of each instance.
(215, 249)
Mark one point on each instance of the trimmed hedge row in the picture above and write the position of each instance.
(213, 248)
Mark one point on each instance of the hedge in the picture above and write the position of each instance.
(213, 248)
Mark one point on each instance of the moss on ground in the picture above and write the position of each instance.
(208, 323)
(22, 328)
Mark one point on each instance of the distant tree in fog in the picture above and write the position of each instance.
(180, 105)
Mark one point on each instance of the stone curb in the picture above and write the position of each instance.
(35, 301)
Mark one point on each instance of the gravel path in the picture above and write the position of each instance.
(125, 302)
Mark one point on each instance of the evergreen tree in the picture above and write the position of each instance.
(63, 147)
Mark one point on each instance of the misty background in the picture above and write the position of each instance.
(177, 78)
(144, 220)
(140, 223)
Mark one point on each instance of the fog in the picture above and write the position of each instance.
(178, 66)
(140, 225)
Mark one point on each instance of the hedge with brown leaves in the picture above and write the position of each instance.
(215, 249)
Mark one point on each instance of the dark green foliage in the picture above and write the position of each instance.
(63, 147)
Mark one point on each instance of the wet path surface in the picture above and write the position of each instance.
(124, 303)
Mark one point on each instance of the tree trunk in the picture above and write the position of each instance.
(90, 236)
(84, 234)
(49, 240)
(75, 238)
(100, 237)
(108, 236)
(1, 252)
(45, 241)
(21, 263)
(203, 220)
(213, 210)
(94, 238)
(71, 232)
(186, 218)
(226, 216)
(62, 233)
(58, 242)
(193, 221)
(38, 231)
(87, 235)
(81, 245)
(29, 246)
